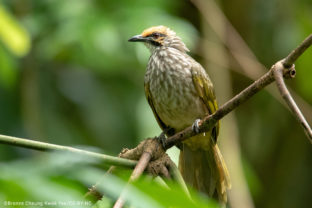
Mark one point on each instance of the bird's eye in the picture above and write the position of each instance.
(155, 35)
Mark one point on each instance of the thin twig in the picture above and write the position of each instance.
(278, 74)
(140, 167)
(138, 170)
(295, 54)
(151, 149)
(42, 146)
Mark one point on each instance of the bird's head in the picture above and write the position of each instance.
(160, 36)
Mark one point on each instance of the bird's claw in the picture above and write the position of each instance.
(161, 138)
(195, 126)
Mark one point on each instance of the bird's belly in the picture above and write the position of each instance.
(178, 105)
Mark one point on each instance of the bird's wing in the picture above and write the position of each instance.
(205, 90)
(162, 125)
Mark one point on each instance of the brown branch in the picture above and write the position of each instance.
(278, 75)
(138, 170)
(148, 150)
(208, 122)
(142, 164)
(295, 54)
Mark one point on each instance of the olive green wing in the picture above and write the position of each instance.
(162, 125)
(205, 90)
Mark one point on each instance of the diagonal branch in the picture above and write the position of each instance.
(208, 122)
(296, 53)
(137, 172)
(151, 150)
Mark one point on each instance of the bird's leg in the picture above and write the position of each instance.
(195, 126)
(162, 137)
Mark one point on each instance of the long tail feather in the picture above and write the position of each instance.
(205, 170)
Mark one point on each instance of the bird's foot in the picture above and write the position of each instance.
(195, 126)
(161, 138)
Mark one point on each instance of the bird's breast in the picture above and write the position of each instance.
(172, 90)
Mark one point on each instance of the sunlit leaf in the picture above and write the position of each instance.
(12, 34)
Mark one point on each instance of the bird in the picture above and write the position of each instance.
(180, 93)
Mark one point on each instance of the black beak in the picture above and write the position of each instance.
(137, 38)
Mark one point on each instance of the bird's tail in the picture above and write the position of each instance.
(205, 170)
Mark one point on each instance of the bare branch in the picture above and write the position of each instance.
(142, 164)
(138, 170)
(209, 121)
(147, 149)
(295, 54)
(278, 74)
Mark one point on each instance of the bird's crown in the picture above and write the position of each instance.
(158, 36)
(161, 30)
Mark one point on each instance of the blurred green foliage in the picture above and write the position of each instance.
(13, 35)
(62, 184)
(68, 76)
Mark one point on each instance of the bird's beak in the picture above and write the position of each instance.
(137, 38)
